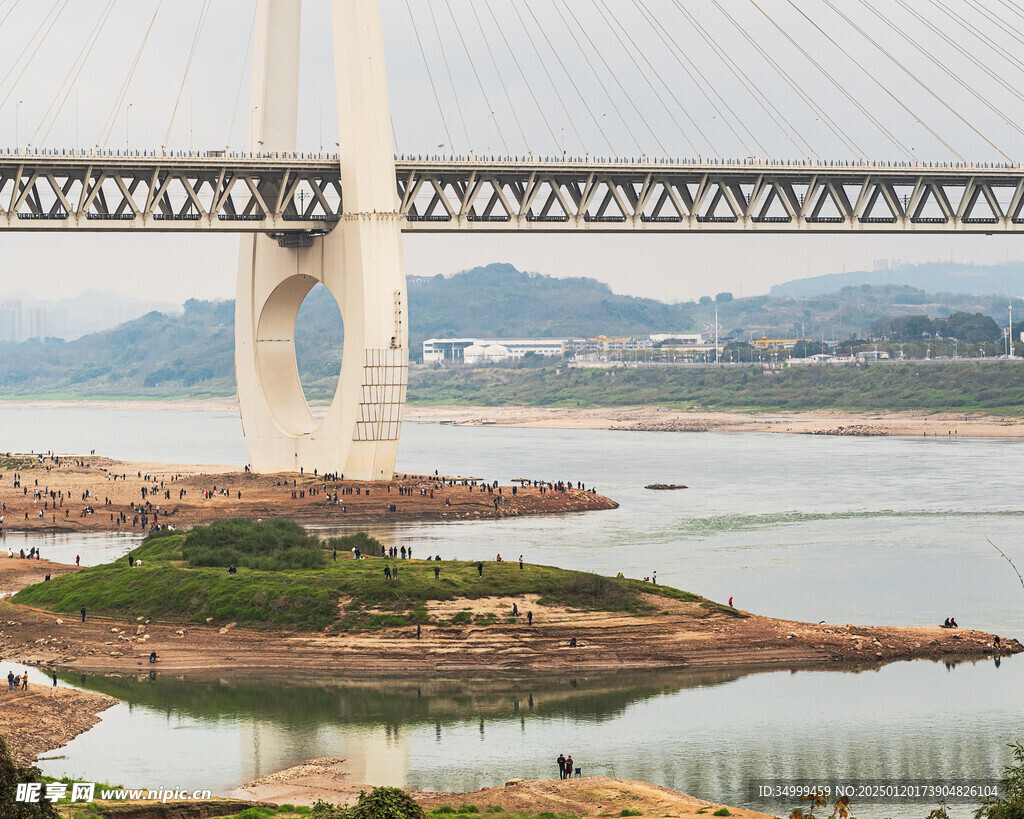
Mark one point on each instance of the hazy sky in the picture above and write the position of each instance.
(607, 80)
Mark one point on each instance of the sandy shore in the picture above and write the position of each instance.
(585, 796)
(661, 419)
(680, 635)
(128, 496)
(44, 718)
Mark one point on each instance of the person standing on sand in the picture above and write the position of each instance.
(437, 572)
(529, 618)
(54, 673)
(730, 603)
(520, 562)
(24, 682)
(83, 613)
(78, 560)
(568, 766)
(561, 766)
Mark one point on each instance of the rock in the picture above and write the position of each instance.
(791, 636)
(227, 628)
(139, 619)
(511, 782)
(140, 629)
(209, 619)
(665, 486)
(60, 622)
(114, 631)
(878, 655)
(954, 636)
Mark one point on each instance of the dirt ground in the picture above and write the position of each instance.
(186, 495)
(663, 419)
(586, 796)
(44, 718)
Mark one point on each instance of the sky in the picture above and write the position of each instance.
(919, 78)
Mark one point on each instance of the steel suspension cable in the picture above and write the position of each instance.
(916, 79)
(1013, 8)
(984, 38)
(479, 82)
(839, 86)
(952, 42)
(72, 78)
(756, 94)
(796, 87)
(568, 75)
(451, 79)
(675, 50)
(970, 27)
(606, 12)
(28, 44)
(501, 79)
(108, 123)
(430, 76)
(241, 76)
(554, 87)
(614, 75)
(526, 82)
(942, 65)
(14, 5)
(204, 11)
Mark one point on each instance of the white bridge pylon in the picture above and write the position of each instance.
(359, 261)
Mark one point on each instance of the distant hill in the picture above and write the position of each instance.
(934, 277)
(499, 300)
(192, 353)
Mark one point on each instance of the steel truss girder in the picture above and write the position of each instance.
(296, 195)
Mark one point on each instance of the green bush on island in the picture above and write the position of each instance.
(10, 775)
(366, 544)
(270, 545)
(182, 578)
(380, 803)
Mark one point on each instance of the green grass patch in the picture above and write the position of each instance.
(722, 812)
(630, 812)
(270, 545)
(342, 595)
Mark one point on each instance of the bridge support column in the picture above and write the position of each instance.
(360, 262)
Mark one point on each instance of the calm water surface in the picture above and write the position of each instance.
(872, 530)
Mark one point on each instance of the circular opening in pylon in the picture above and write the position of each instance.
(319, 339)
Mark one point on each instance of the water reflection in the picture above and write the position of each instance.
(705, 732)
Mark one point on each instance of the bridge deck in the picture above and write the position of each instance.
(296, 196)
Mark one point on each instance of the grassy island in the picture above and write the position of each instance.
(287, 578)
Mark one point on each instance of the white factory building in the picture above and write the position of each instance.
(487, 350)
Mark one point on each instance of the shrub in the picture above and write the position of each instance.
(464, 808)
(722, 812)
(1011, 804)
(367, 544)
(10, 775)
(630, 812)
(271, 545)
(495, 809)
(462, 618)
(380, 803)
(443, 809)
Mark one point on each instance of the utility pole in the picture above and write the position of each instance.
(1009, 330)
(716, 333)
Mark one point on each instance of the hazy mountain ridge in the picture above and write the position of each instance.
(935, 277)
(191, 353)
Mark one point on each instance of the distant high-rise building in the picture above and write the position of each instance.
(36, 323)
(10, 320)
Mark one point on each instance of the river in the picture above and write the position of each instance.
(860, 530)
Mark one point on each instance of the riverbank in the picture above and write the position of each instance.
(327, 779)
(675, 634)
(45, 718)
(95, 494)
(664, 419)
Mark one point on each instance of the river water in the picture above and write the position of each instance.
(858, 530)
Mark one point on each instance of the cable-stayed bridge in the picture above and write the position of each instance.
(297, 197)
(337, 218)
